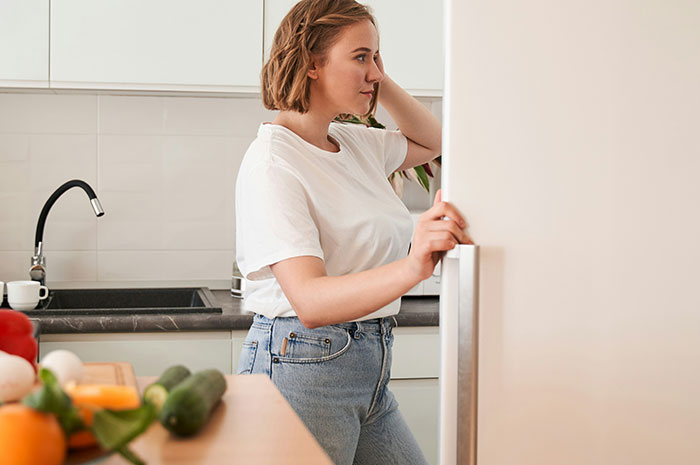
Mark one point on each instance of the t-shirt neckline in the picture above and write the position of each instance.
(308, 144)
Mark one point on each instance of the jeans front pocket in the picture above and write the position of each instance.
(248, 352)
(314, 347)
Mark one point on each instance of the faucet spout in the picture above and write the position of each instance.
(38, 269)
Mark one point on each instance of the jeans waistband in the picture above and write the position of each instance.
(374, 325)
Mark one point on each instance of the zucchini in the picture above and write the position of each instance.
(157, 392)
(187, 407)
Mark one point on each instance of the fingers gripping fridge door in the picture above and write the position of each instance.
(459, 331)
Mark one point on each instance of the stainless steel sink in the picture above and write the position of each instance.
(62, 302)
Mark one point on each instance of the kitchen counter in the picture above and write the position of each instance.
(415, 311)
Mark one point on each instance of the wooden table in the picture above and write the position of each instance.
(253, 424)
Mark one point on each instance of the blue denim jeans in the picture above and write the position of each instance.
(335, 378)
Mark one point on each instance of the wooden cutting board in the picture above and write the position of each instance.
(121, 373)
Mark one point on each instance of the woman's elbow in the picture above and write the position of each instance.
(306, 315)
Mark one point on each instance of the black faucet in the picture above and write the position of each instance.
(38, 270)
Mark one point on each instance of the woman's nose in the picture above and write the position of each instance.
(375, 74)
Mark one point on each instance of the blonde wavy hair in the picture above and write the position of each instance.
(310, 29)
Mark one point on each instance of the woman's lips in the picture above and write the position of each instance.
(368, 94)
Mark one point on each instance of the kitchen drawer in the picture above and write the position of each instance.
(416, 352)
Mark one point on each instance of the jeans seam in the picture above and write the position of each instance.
(380, 383)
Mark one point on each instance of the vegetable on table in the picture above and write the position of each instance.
(17, 377)
(90, 398)
(114, 429)
(157, 392)
(17, 336)
(65, 365)
(188, 406)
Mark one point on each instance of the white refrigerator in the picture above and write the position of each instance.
(571, 334)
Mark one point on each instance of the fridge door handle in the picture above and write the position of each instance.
(459, 341)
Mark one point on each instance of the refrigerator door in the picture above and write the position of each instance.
(459, 339)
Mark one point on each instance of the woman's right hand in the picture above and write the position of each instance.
(434, 235)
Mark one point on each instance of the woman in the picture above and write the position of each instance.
(322, 239)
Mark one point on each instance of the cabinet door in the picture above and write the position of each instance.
(209, 45)
(410, 40)
(419, 404)
(149, 353)
(24, 43)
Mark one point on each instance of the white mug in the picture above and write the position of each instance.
(25, 295)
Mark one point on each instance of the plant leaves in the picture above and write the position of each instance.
(422, 177)
(115, 428)
(50, 398)
(130, 456)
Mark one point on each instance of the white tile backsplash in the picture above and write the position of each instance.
(116, 234)
(15, 176)
(14, 265)
(200, 116)
(70, 266)
(13, 148)
(163, 167)
(176, 265)
(47, 114)
(55, 159)
(131, 115)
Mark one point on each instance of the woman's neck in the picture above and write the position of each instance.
(311, 127)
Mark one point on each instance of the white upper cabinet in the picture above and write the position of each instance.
(208, 45)
(410, 40)
(24, 43)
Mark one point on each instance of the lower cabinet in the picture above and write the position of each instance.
(414, 378)
(149, 353)
(419, 404)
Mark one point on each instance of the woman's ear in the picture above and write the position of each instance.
(314, 67)
(313, 70)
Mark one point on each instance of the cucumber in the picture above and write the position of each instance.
(157, 392)
(187, 407)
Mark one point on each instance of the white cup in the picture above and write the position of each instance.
(25, 295)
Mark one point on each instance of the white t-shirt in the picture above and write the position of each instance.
(295, 199)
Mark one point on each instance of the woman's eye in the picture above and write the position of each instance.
(361, 58)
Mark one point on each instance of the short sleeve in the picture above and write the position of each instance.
(394, 147)
(273, 219)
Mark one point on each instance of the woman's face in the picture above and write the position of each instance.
(345, 83)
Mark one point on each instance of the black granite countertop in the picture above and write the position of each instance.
(415, 311)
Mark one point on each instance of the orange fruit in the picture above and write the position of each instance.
(30, 437)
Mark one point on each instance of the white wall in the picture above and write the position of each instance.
(163, 167)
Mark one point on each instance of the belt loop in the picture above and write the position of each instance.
(381, 324)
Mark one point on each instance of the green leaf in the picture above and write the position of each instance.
(423, 177)
(50, 398)
(130, 456)
(115, 428)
